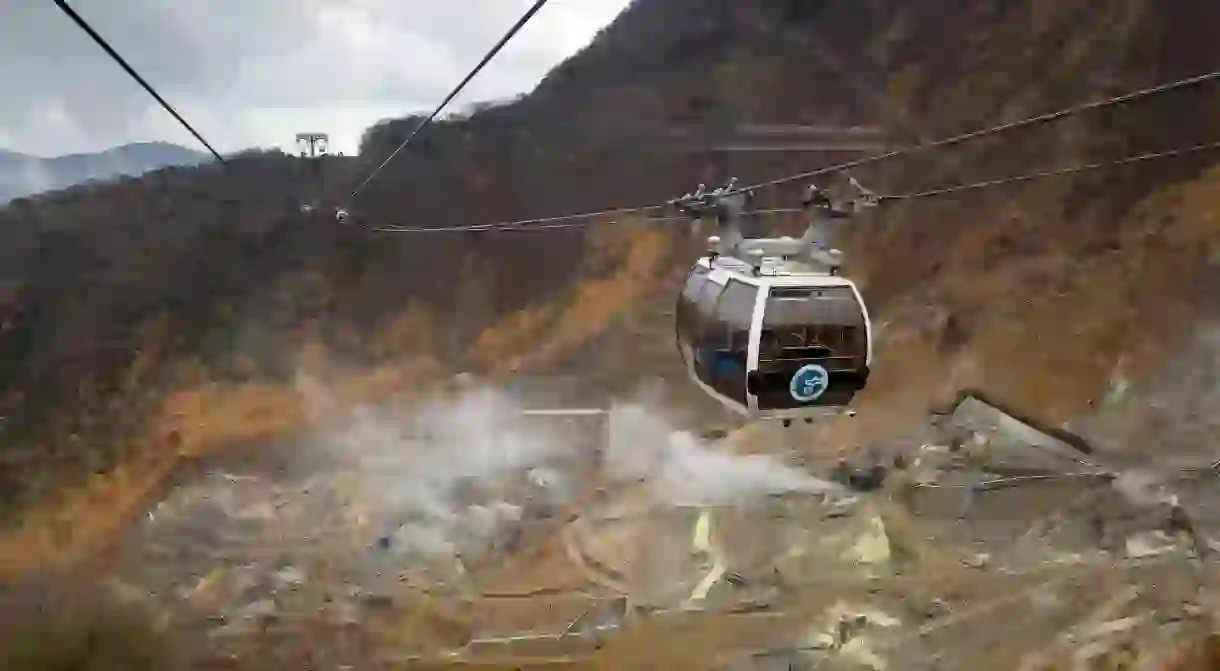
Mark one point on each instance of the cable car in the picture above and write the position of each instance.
(767, 326)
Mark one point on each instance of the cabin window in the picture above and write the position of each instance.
(736, 311)
(805, 322)
(710, 338)
(731, 326)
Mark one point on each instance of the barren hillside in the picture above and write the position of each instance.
(157, 322)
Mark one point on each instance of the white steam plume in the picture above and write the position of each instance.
(682, 470)
(417, 467)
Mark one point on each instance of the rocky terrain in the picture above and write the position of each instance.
(235, 419)
(480, 534)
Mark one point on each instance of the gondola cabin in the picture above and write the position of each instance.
(777, 339)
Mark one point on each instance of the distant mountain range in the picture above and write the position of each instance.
(24, 175)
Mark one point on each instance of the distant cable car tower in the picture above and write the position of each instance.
(313, 145)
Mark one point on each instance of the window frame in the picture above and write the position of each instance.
(849, 340)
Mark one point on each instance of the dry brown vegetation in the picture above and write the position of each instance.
(145, 357)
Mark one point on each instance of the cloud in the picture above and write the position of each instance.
(254, 73)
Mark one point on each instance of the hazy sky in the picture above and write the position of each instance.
(255, 72)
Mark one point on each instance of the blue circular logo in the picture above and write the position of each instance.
(809, 383)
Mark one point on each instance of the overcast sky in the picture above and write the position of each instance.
(255, 72)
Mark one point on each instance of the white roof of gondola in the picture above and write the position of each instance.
(777, 272)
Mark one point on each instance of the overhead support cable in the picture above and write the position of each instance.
(566, 221)
(83, 25)
(995, 130)
(907, 151)
(578, 220)
(452, 94)
(1057, 172)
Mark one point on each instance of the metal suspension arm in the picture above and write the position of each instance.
(858, 198)
(821, 207)
(726, 204)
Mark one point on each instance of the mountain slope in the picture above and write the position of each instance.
(23, 175)
(168, 314)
